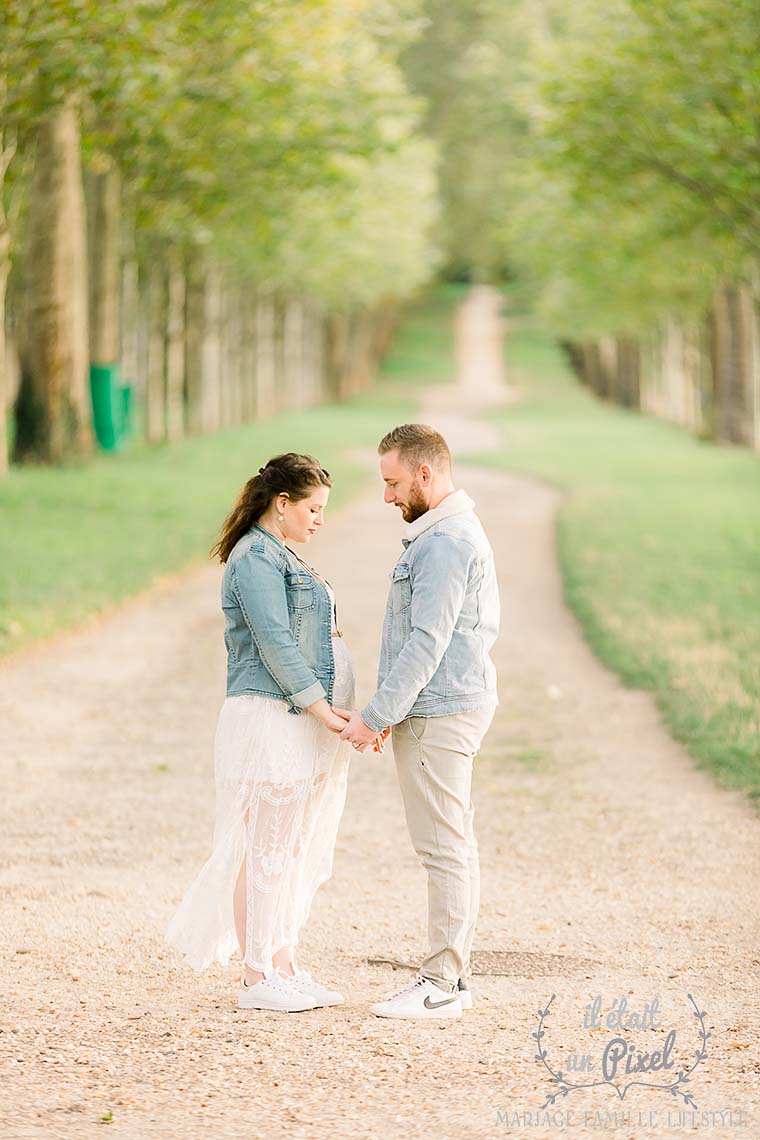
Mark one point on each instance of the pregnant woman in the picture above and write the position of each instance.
(280, 766)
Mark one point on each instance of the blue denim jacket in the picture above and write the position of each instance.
(278, 628)
(441, 620)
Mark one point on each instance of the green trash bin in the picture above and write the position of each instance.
(106, 405)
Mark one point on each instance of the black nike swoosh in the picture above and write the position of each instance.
(435, 1004)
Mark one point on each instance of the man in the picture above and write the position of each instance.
(437, 688)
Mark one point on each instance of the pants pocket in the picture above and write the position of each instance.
(417, 726)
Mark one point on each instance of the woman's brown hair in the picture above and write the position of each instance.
(290, 474)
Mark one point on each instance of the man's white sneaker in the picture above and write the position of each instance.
(274, 992)
(465, 995)
(421, 998)
(305, 984)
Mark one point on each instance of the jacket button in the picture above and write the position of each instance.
(300, 579)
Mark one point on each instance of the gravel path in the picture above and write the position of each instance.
(611, 867)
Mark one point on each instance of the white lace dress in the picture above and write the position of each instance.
(280, 790)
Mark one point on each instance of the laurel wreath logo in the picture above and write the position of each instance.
(566, 1086)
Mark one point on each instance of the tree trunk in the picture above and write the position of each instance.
(5, 265)
(628, 371)
(248, 354)
(195, 332)
(105, 265)
(314, 364)
(692, 369)
(130, 337)
(7, 151)
(748, 352)
(337, 354)
(292, 351)
(265, 362)
(156, 365)
(360, 365)
(225, 411)
(54, 408)
(674, 408)
(212, 352)
(728, 374)
(607, 366)
(593, 367)
(233, 371)
(280, 359)
(175, 349)
(389, 314)
(754, 320)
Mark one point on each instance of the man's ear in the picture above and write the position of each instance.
(426, 473)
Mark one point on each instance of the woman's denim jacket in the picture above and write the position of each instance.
(278, 629)
(441, 620)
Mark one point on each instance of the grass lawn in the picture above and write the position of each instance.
(659, 542)
(77, 538)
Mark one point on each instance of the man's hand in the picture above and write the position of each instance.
(357, 732)
(380, 739)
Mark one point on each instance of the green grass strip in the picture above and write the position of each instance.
(76, 539)
(659, 543)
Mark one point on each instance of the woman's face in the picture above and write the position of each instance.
(303, 519)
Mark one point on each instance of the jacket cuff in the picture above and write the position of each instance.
(308, 696)
(371, 719)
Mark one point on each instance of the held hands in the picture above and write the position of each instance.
(350, 726)
(357, 733)
(334, 721)
(329, 716)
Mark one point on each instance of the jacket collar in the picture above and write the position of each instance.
(454, 504)
(263, 530)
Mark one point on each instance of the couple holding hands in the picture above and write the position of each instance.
(288, 726)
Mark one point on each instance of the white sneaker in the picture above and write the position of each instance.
(274, 992)
(305, 984)
(421, 998)
(465, 995)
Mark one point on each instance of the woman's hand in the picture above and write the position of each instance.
(331, 718)
(378, 744)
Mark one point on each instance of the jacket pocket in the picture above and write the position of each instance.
(401, 587)
(299, 590)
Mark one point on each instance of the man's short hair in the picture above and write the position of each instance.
(416, 444)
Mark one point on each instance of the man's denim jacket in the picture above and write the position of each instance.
(278, 629)
(441, 620)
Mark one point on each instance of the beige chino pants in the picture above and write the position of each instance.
(434, 763)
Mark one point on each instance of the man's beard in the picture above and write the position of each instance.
(417, 506)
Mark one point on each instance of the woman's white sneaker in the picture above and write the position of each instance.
(305, 984)
(421, 998)
(274, 992)
(465, 995)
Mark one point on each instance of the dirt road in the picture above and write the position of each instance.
(611, 867)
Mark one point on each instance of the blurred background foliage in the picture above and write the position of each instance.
(602, 157)
(231, 225)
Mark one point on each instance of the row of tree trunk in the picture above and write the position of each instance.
(703, 374)
(198, 349)
(205, 352)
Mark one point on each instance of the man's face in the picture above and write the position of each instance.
(403, 487)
